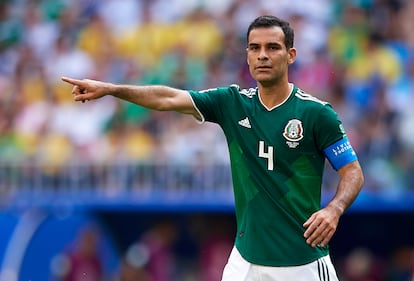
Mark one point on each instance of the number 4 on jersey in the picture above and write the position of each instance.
(268, 155)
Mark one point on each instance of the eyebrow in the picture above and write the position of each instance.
(266, 44)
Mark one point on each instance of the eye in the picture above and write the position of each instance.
(253, 47)
(274, 47)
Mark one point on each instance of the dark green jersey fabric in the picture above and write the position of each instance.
(277, 164)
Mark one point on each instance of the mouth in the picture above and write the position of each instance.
(263, 67)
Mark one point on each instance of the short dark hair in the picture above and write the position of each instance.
(270, 21)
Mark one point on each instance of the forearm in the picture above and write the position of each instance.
(349, 186)
(321, 225)
(154, 97)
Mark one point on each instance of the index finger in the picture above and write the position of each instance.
(309, 221)
(72, 81)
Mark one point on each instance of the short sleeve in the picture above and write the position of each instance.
(328, 127)
(211, 103)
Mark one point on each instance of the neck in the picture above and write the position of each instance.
(274, 95)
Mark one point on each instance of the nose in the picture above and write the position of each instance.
(263, 54)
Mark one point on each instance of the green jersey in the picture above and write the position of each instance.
(277, 163)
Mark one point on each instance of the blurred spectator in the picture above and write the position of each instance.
(119, 15)
(81, 262)
(215, 237)
(130, 272)
(152, 254)
(145, 42)
(374, 66)
(401, 265)
(96, 39)
(10, 27)
(348, 33)
(39, 33)
(362, 265)
(64, 57)
(199, 33)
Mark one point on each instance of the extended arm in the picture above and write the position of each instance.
(162, 98)
(321, 226)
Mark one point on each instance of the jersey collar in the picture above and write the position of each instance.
(292, 88)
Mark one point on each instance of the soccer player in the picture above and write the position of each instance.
(278, 138)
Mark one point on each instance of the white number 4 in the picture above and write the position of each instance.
(268, 155)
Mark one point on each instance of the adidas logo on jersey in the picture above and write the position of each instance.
(245, 123)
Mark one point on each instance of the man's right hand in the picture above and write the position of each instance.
(87, 89)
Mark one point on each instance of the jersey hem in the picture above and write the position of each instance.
(281, 264)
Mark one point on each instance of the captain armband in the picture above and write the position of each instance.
(340, 153)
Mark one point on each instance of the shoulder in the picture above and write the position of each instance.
(314, 106)
(309, 99)
(249, 93)
(233, 89)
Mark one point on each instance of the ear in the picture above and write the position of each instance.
(291, 55)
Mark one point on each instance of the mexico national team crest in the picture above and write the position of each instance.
(293, 132)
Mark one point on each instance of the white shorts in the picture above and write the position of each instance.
(238, 269)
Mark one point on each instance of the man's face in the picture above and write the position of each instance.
(267, 55)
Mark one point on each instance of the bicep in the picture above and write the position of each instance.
(184, 103)
(171, 99)
(340, 153)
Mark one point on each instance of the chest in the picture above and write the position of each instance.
(286, 128)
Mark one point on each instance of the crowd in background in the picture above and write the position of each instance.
(358, 55)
